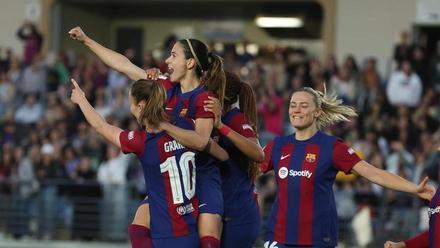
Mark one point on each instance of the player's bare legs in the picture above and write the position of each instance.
(139, 230)
(210, 230)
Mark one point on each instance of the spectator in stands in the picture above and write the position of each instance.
(112, 175)
(404, 87)
(402, 50)
(7, 96)
(34, 78)
(30, 111)
(32, 39)
(344, 85)
(270, 111)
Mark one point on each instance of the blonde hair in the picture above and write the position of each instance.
(332, 109)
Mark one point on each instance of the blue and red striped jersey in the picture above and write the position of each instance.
(434, 221)
(190, 105)
(304, 211)
(240, 203)
(170, 176)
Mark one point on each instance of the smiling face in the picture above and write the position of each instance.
(302, 110)
(177, 63)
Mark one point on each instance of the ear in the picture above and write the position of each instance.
(141, 105)
(190, 63)
(318, 112)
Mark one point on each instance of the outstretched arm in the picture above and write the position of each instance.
(111, 133)
(419, 241)
(111, 58)
(391, 181)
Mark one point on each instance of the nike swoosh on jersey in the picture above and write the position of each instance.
(202, 205)
(285, 156)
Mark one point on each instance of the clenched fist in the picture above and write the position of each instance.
(78, 34)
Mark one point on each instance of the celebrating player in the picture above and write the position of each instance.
(189, 64)
(305, 166)
(241, 219)
(169, 167)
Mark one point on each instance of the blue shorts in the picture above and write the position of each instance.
(209, 190)
(188, 241)
(240, 236)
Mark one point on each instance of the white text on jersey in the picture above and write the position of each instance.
(283, 172)
(172, 146)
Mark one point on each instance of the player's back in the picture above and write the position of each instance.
(170, 176)
(238, 188)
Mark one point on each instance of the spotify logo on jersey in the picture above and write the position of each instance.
(283, 172)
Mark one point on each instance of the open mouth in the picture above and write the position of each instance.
(170, 71)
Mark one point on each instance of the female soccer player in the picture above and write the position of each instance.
(305, 166)
(189, 64)
(169, 167)
(238, 127)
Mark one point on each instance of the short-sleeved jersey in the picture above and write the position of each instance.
(304, 211)
(189, 104)
(238, 189)
(170, 177)
(434, 221)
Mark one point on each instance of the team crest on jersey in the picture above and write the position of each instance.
(130, 135)
(310, 157)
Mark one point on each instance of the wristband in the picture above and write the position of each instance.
(225, 130)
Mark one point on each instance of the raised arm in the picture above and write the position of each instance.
(392, 181)
(111, 58)
(249, 146)
(111, 133)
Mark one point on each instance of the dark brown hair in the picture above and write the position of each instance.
(241, 91)
(209, 66)
(155, 97)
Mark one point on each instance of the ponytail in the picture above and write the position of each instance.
(214, 78)
(247, 104)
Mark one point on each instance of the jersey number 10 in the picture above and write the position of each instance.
(188, 178)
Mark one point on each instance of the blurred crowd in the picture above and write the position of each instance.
(48, 149)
